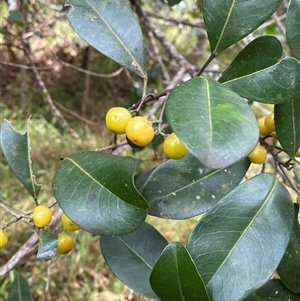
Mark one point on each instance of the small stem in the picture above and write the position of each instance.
(212, 56)
(109, 147)
(288, 178)
(161, 116)
(145, 81)
(15, 220)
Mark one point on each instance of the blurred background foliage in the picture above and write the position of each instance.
(82, 85)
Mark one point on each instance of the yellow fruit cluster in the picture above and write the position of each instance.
(266, 124)
(42, 216)
(139, 131)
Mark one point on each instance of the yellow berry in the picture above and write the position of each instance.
(258, 155)
(298, 153)
(269, 122)
(116, 120)
(3, 239)
(173, 147)
(69, 224)
(140, 131)
(41, 216)
(263, 130)
(65, 243)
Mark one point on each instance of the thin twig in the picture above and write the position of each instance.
(112, 146)
(157, 56)
(176, 79)
(197, 23)
(150, 26)
(76, 115)
(47, 98)
(24, 66)
(115, 73)
(51, 5)
(29, 246)
(17, 216)
(279, 24)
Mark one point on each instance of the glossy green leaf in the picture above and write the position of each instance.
(228, 21)
(184, 188)
(131, 257)
(289, 267)
(175, 276)
(296, 170)
(238, 244)
(261, 53)
(216, 125)
(273, 290)
(292, 27)
(19, 290)
(47, 245)
(275, 84)
(141, 178)
(96, 191)
(111, 28)
(173, 2)
(287, 121)
(16, 149)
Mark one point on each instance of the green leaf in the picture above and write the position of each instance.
(287, 121)
(48, 244)
(228, 21)
(292, 27)
(111, 28)
(275, 84)
(16, 17)
(273, 290)
(173, 2)
(4, 31)
(248, 233)
(296, 170)
(289, 267)
(216, 125)
(184, 188)
(19, 290)
(131, 257)
(16, 149)
(96, 191)
(141, 178)
(261, 53)
(175, 276)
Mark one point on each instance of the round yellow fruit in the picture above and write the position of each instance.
(258, 155)
(116, 120)
(263, 130)
(65, 243)
(173, 147)
(3, 239)
(269, 122)
(298, 153)
(69, 224)
(41, 216)
(140, 131)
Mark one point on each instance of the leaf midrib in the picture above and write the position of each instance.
(242, 233)
(118, 39)
(224, 27)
